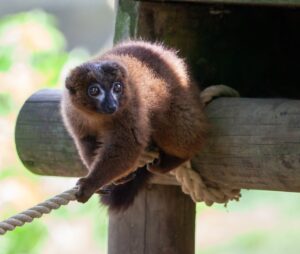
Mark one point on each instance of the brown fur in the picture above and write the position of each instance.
(159, 103)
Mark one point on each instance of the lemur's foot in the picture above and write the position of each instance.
(85, 190)
(147, 157)
(164, 163)
(154, 166)
(212, 92)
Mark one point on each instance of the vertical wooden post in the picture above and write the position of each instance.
(161, 221)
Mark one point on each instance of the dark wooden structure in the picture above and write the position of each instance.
(250, 45)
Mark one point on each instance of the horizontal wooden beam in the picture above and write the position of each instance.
(289, 3)
(253, 144)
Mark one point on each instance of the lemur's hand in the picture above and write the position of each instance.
(86, 189)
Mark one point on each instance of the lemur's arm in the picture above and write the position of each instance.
(87, 147)
(117, 158)
(86, 143)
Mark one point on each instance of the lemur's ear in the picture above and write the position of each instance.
(121, 70)
(115, 68)
(77, 77)
(70, 85)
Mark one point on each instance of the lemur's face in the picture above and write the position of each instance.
(98, 86)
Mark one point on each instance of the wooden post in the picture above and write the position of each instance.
(161, 221)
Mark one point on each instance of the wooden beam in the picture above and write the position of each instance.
(288, 3)
(253, 144)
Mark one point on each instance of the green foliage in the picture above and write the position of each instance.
(95, 212)
(5, 58)
(50, 65)
(7, 172)
(6, 104)
(46, 53)
(48, 23)
(279, 236)
(31, 40)
(101, 225)
(25, 240)
(282, 240)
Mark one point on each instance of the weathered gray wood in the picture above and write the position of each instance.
(290, 3)
(42, 142)
(253, 144)
(161, 221)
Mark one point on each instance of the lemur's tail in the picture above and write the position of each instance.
(120, 197)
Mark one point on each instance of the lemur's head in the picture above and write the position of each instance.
(98, 87)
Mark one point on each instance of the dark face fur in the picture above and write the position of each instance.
(98, 86)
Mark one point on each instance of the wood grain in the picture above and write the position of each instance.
(253, 143)
(161, 221)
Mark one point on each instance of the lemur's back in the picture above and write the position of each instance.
(162, 61)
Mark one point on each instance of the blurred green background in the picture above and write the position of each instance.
(37, 48)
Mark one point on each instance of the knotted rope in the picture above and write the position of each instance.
(192, 184)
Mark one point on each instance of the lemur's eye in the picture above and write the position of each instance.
(117, 87)
(94, 90)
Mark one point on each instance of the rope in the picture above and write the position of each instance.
(37, 211)
(192, 184)
(47, 206)
(191, 181)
